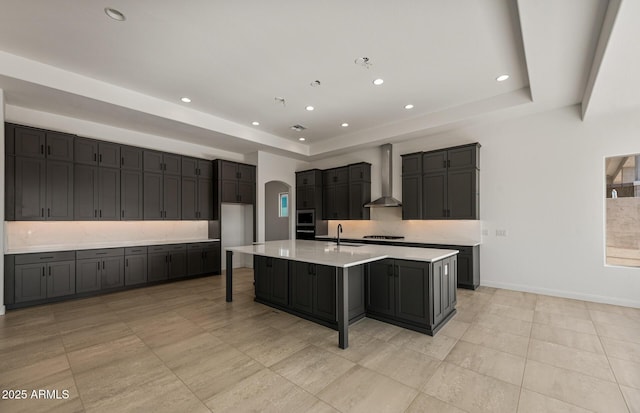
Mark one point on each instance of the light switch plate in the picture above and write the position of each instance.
(501, 233)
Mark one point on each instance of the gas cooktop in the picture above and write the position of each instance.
(384, 236)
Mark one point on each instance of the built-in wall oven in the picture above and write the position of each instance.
(306, 224)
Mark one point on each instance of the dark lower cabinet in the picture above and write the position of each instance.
(135, 265)
(313, 290)
(166, 261)
(413, 294)
(203, 258)
(99, 269)
(42, 276)
(271, 279)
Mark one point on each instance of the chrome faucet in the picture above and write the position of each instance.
(339, 230)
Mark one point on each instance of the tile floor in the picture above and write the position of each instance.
(181, 348)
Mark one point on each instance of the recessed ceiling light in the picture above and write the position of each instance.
(309, 108)
(186, 100)
(378, 82)
(301, 139)
(409, 106)
(255, 123)
(344, 125)
(115, 14)
(502, 78)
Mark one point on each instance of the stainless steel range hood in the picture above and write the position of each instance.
(387, 199)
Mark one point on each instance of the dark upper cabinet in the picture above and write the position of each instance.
(97, 194)
(336, 201)
(59, 193)
(197, 189)
(131, 158)
(336, 176)
(43, 190)
(312, 177)
(9, 139)
(10, 188)
(30, 189)
(167, 163)
(172, 198)
(360, 172)
(131, 195)
(38, 143)
(359, 194)
(448, 186)
(153, 203)
(235, 182)
(93, 152)
(309, 191)
(306, 197)
(412, 196)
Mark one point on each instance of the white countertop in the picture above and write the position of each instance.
(327, 253)
(106, 244)
(441, 241)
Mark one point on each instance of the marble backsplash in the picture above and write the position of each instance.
(388, 221)
(21, 234)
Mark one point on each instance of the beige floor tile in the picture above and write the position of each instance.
(310, 332)
(572, 387)
(467, 314)
(504, 324)
(563, 306)
(425, 403)
(502, 310)
(568, 338)
(40, 316)
(515, 299)
(454, 328)
(264, 391)
(312, 368)
(270, 348)
(378, 329)
(585, 362)
(563, 321)
(616, 309)
(620, 349)
(89, 336)
(206, 365)
(626, 372)
(625, 333)
(163, 329)
(363, 390)
(89, 358)
(622, 320)
(402, 364)
(82, 321)
(632, 397)
(20, 335)
(321, 407)
(485, 360)
(360, 346)
(472, 391)
(30, 353)
(498, 340)
(437, 346)
(532, 402)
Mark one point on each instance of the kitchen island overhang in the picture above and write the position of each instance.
(407, 268)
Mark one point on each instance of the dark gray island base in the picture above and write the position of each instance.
(336, 286)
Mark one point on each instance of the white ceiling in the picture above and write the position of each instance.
(233, 58)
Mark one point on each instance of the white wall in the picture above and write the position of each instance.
(275, 168)
(2, 184)
(275, 226)
(236, 228)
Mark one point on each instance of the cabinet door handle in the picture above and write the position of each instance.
(100, 213)
(169, 257)
(48, 212)
(95, 157)
(49, 271)
(98, 265)
(100, 158)
(126, 262)
(166, 258)
(121, 160)
(95, 213)
(42, 212)
(48, 149)
(43, 271)
(42, 149)
(448, 163)
(103, 265)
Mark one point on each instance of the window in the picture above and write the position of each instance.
(622, 209)
(283, 204)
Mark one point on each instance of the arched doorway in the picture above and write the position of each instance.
(277, 211)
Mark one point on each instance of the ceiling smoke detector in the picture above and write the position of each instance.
(298, 128)
(280, 101)
(315, 83)
(364, 62)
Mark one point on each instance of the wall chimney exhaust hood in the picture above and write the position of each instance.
(386, 200)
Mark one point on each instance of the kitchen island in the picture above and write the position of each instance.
(410, 287)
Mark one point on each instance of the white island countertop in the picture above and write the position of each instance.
(328, 253)
(407, 240)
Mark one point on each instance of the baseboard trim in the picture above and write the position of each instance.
(560, 293)
(2, 309)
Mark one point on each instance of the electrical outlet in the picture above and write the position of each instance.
(485, 232)
(501, 233)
